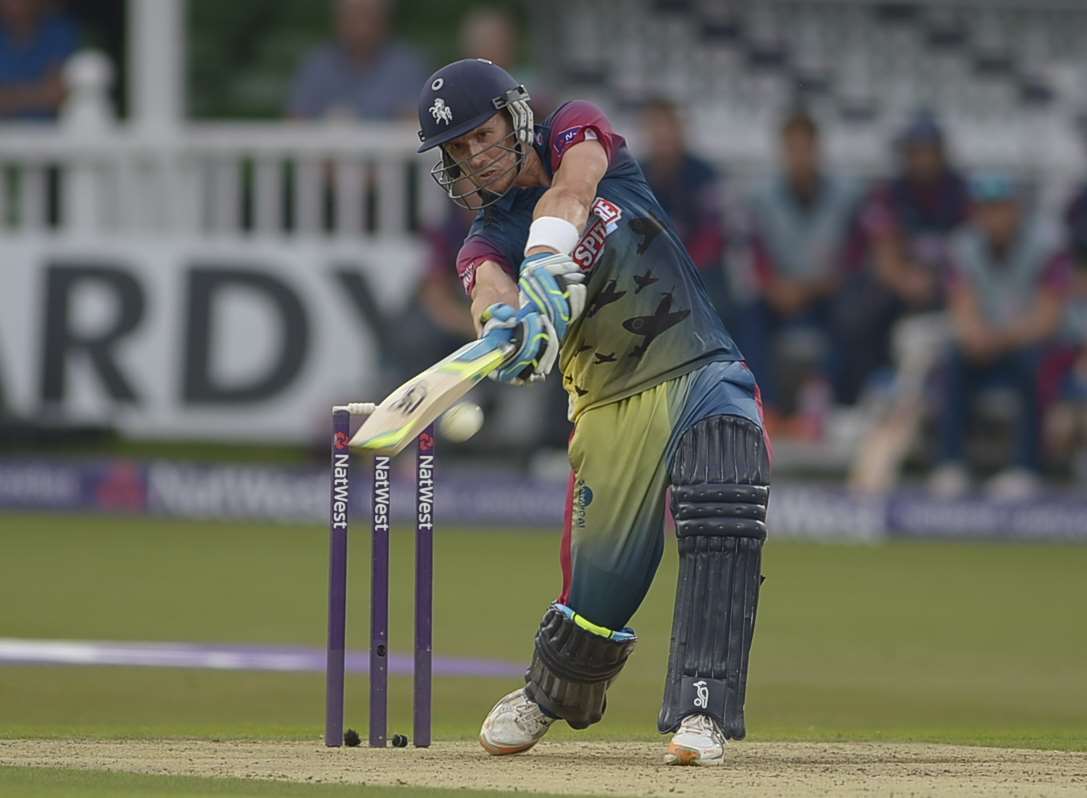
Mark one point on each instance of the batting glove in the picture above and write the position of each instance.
(555, 286)
(533, 338)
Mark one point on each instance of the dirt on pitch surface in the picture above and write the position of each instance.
(595, 768)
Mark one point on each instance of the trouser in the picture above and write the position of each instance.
(621, 455)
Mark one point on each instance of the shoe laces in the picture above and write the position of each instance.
(529, 712)
(703, 724)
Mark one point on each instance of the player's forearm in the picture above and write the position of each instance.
(562, 203)
(492, 286)
(569, 198)
(1039, 323)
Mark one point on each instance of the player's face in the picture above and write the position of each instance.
(924, 161)
(801, 154)
(999, 220)
(485, 161)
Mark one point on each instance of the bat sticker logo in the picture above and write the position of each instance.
(410, 400)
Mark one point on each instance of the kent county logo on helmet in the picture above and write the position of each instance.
(440, 111)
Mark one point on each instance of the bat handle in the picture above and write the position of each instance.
(357, 408)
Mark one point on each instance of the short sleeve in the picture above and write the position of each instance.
(579, 121)
(1057, 274)
(307, 95)
(877, 218)
(475, 250)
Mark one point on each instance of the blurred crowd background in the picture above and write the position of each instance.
(884, 198)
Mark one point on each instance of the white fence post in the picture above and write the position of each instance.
(87, 119)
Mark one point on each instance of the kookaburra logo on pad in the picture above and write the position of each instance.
(702, 699)
(440, 111)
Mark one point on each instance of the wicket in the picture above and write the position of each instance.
(380, 505)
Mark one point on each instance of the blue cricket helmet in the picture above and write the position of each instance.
(460, 97)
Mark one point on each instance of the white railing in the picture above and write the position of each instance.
(238, 180)
(89, 174)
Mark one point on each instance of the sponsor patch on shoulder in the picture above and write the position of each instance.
(562, 141)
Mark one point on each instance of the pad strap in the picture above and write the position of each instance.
(573, 664)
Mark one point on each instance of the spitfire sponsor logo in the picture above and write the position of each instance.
(702, 694)
(410, 400)
(440, 111)
(583, 497)
(604, 220)
(608, 211)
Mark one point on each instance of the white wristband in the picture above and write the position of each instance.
(551, 231)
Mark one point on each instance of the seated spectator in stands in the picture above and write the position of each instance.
(363, 74)
(900, 244)
(689, 190)
(1004, 297)
(798, 227)
(34, 44)
(442, 322)
(1065, 381)
(491, 32)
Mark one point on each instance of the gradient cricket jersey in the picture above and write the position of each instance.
(648, 317)
(648, 358)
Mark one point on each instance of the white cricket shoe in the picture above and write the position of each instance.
(697, 741)
(514, 725)
(1014, 484)
(949, 481)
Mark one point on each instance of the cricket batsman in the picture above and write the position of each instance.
(571, 253)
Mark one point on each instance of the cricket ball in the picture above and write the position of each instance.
(400, 741)
(461, 422)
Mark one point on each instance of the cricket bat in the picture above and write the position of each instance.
(409, 409)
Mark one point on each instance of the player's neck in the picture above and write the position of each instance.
(533, 174)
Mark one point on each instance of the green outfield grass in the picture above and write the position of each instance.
(941, 642)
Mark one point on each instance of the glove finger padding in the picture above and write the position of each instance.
(546, 282)
(535, 344)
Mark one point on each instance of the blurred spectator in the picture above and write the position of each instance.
(1005, 303)
(441, 313)
(1065, 381)
(689, 190)
(363, 74)
(901, 240)
(798, 225)
(34, 44)
(491, 32)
